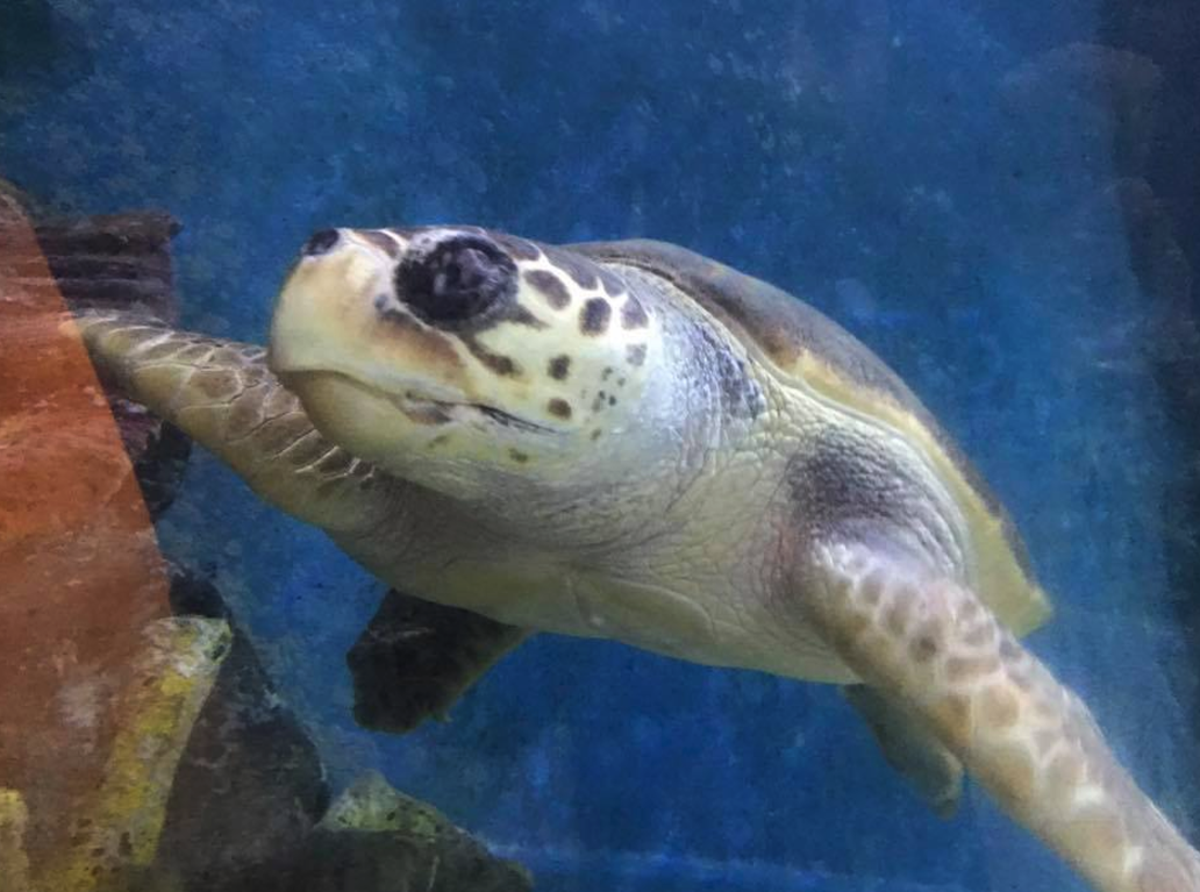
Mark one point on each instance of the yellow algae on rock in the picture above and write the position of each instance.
(117, 831)
(14, 861)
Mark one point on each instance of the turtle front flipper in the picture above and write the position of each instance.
(932, 643)
(910, 747)
(416, 659)
(222, 394)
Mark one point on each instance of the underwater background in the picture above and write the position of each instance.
(1000, 198)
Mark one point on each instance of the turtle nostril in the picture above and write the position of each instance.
(321, 242)
(456, 280)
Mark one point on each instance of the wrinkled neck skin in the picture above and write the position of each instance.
(619, 490)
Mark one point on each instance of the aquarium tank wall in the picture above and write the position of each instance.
(255, 634)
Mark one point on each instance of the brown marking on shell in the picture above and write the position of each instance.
(550, 286)
(559, 367)
(560, 408)
(379, 239)
(633, 314)
(504, 366)
(595, 316)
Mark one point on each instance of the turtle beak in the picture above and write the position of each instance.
(330, 317)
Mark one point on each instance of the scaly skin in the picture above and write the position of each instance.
(222, 395)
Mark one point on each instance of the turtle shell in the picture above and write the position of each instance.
(802, 342)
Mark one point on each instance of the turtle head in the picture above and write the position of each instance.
(469, 361)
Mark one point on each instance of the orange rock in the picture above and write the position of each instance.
(81, 573)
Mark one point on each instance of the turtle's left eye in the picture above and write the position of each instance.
(457, 281)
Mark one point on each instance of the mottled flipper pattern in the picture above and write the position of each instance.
(910, 747)
(416, 658)
(1029, 740)
(222, 394)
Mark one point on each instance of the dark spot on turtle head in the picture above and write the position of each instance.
(595, 315)
(596, 434)
(560, 367)
(501, 365)
(551, 287)
(380, 240)
(518, 456)
(521, 316)
(636, 354)
(621, 381)
(612, 400)
(633, 314)
(321, 242)
(559, 408)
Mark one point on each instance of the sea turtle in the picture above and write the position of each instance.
(627, 440)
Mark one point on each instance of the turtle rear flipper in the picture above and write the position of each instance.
(932, 644)
(416, 659)
(910, 747)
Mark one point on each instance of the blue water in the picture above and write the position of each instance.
(924, 172)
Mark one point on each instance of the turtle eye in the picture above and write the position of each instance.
(457, 280)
